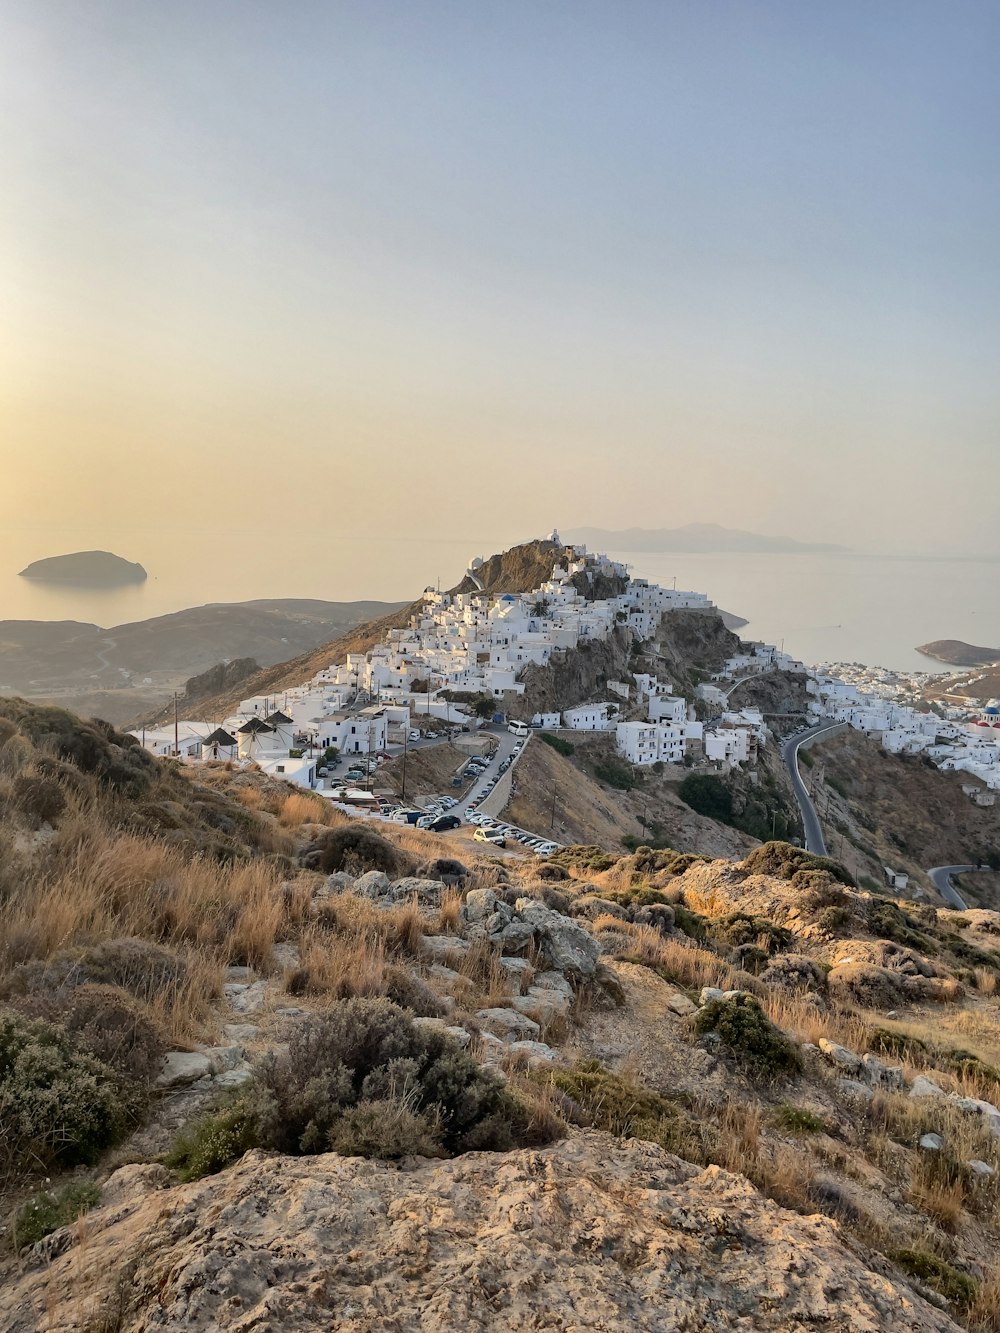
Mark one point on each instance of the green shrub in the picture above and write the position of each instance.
(782, 860)
(106, 1022)
(115, 759)
(214, 1142)
(617, 773)
(691, 923)
(800, 1121)
(57, 1104)
(580, 857)
(740, 928)
(948, 1282)
(557, 743)
(707, 795)
(49, 1210)
(365, 1051)
(611, 1102)
(749, 1036)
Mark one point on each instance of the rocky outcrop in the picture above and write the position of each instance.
(593, 1232)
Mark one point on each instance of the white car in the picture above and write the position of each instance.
(488, 835)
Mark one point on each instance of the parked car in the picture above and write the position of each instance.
(487, 835)
(443, 823)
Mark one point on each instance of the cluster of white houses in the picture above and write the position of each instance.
(964, 740)
(481, 644)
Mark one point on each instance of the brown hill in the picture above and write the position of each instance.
(957, 653)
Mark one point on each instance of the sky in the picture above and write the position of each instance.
(474, 269)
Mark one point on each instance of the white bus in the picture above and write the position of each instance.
(518, 728)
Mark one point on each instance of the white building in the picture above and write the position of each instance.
(591, 717)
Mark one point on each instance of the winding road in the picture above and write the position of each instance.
(940, 876)
(811, 826)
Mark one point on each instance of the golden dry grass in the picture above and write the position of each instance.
(298, 808)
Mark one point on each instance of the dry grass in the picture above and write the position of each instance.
(450, 914)
(986, 980)
(984, 1313)
(298, 809)
(684, 964)
(805, 1020)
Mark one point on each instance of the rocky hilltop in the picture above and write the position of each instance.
(88, 569)
(595, 1233)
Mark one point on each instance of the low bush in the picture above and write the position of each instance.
(57, 1104)
(49, 1210)
(366, 1051)
(616, 773)
(214, 1142)
(357, 850)
(749, 1036)
(691, 923)
(615, 1104)
(740, 928)
(42, 799)
(107, 1023)
(591, 858)
(783, 860)
(558, 744)
(115, 759)
(798, 1120)
(145, 970)
(707, 795)
(956, 1287)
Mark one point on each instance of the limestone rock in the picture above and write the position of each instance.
(508, 1024)
(442, 947)
(373, 884)
(567, 947)
(681, 1005)
(840, 1056)
(881, 1075)
(183, 1067)
(981, 1169)
(922, 1086)
(241, 1032)
(854, 1089)
(456, 1033)
(593, 1232)
(710, 993)
(536, 1051)
(931, 1142)
(247, 999)
(427, 892)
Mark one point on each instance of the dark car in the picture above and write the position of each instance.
(443, 823)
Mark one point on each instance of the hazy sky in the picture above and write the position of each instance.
(477, 268)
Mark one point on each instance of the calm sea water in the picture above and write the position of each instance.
(825, 607)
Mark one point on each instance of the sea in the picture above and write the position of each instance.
(822, 607)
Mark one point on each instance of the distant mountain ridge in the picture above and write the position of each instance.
(708, 538)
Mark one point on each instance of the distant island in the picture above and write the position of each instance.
(957, 653)
(86, 569)
(707, 538)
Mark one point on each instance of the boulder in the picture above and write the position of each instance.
(681, 1005)
(247, 999)
(517, 969)
(441, 947)
(508, 1024)
(567, 947)
(981, 1169)
(428, 892)
(922, 1086)
(881, 1075)
(451, 1030)
(840, 1056)
(238, 976)
(446, 974)
(986, 1110)
(479, 904)
(515, 937)
(222, 1058)
(232, 1078)
(931, 1142)
(536, 1051)
(853, 1089)
(710, 993)
(373, 884)
(538, 1000)
(183, 1067)
(241, 1032)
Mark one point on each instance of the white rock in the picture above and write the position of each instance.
(981, 1169)
(446, 974)
(241, 1032)
(508, 1024)
(183, 1067)
(840, 1056)
(232, 1078)
(681, 1005)
(857, 1091)
(567, 947)
(374, 884)
(922, 1086)
(536, 1051)
(479, 904)
(247, 999)
(439, 1025)
(932, 1142)
(710, 993)
(547, 1003)
(222, 1058)
(988, 1112)
(440, 947)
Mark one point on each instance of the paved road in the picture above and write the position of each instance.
(814, 839)
(940, 877)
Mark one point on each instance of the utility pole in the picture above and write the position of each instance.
(177, 743)
(406, 737)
